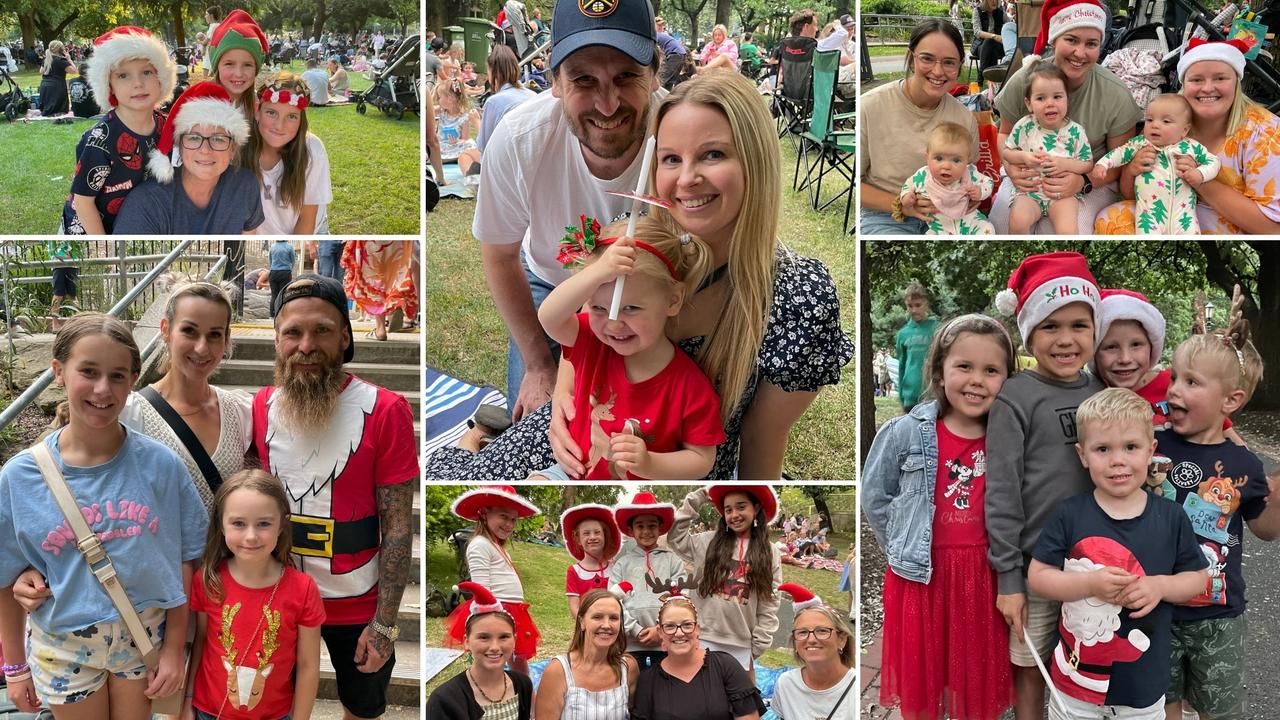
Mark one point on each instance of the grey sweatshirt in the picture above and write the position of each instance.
(1032, 464)
(651, 581)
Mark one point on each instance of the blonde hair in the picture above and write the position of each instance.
(1113, 406)
(1184, 105)
(204, 291)
(1212, 353)
(54, 50)
(728, 356)
(454, 89)
(945, 338)
(949, 134)
(915, 290)
(688, 254)
(842, 631)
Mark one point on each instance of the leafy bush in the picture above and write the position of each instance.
(904, 7)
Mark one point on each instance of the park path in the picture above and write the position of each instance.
(1262, 580)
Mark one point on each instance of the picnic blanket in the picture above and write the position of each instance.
(455, 188)
(449, 402)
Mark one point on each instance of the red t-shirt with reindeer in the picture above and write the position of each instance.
(262, 651)
(678, 406)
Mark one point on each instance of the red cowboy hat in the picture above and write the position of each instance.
(472, 503)
(644, 503)
(763, 494)
(573, 516)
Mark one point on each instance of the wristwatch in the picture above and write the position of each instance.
(1088, 184)
(390, 632)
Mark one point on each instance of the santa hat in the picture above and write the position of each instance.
(621, 590)
(1120, 304)
(1230, 52)
(644, 503)
(1044, 283)
(120, 45)
(471, 504)
(1061, 16)
(570, 519)
(237, 31)
(205, 103)
(482, 601)
(763, 494)
(801, 597)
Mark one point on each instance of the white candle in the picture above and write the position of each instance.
(641, 185)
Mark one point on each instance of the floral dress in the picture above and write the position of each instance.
(1165, 204)
(1250, 165)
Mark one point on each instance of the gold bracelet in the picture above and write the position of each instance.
(895, 210)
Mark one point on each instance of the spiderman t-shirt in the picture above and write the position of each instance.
(677, 406)
(960, 490)
(111, 160)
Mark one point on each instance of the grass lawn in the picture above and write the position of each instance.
(374, 167)
(472, 343)
(887, 50)
(543, 568)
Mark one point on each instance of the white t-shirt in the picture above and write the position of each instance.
(535, 183)
(490, 568)
(280, 219)
(793, 700)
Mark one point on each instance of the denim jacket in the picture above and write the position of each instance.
(898, 481)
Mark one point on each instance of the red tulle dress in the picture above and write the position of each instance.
(946, 647)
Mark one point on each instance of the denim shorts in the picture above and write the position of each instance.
(69, 667)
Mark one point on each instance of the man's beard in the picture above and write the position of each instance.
(606, 150)
(307, 400)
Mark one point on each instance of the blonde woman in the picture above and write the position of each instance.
(764, 326)
(719, 52)
(53, 80)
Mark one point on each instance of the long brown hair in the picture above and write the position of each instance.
(619, 646)
(718, 564)
(216, 551)
(293, 181)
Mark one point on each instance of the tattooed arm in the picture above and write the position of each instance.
(394, 512)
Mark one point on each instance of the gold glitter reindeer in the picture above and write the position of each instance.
(244, 684)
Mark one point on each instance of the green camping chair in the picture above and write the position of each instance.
(823, 148)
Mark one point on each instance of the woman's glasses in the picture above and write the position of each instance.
(217, 143)
(822, 633)
(927, 61)
(687, 627)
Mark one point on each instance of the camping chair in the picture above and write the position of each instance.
(822, 147)
(794, 98)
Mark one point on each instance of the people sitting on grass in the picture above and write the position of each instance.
(131, 76)
(339, 83)
(504, 81)
(291, 163)
(206, 194)
(317, 81)
(458, 126)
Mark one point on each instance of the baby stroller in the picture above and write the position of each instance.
(395, 87)
(12, 99)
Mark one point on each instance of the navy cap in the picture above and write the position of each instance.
(626, 25)
(325, 288)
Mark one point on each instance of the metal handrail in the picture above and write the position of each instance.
(33, 391)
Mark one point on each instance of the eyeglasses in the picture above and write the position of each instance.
(687, 627)
(926, 62)
(217, 143)
(822, 633)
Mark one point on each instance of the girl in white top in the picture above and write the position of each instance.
(495, 510)
(291, 164)
(596, 679)
(822, 687)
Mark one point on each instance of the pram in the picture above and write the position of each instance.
(396, 87)
(12, 99)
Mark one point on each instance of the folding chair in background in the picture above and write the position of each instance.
(793, 98)
(823, 148)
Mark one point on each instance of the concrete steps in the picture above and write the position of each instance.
(332, 710)
(406, 678)
(414, 397)
(394, 352)
(401, 378)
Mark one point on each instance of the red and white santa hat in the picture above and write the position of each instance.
(644, 503)
(763, 494)
(205, 103)
(1230, 52)
(1060, 16)
(120, 45)
(570, 519)
(802, 598)
(482, 600)
(621, 590)
(1121, 304)
(1043, 283)
(471, 504)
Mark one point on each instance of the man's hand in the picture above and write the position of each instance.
(535, 389)
(373, 649)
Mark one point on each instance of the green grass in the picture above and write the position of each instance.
(898, 50)
(542, 569)
(374, 167)
(472, 343)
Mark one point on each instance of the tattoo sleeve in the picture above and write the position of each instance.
(394, 557)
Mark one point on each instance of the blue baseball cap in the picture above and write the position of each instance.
(625, 25)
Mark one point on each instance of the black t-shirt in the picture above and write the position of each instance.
(58, 69)
(1218, 487)
(1104, 656)
(111, 160)
(82, 102)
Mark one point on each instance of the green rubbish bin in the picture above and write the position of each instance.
(479, 36)
(454, 33)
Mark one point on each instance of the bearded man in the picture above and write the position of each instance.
(345, 451)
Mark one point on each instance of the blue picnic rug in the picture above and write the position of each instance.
(447, 405)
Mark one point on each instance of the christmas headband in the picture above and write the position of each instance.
(580, 242)
(272, 94)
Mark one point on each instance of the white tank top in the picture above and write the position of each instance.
(582, 704)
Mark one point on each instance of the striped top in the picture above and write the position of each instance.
(582, 704)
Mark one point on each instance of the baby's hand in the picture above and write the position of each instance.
(629, 453)
(1040, 158)
(619, 258)
(1098, 175)
(973, 192)
(909, 199)
(1194, 178)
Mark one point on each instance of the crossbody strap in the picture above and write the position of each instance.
(840, 700)
(185, 435)
(90, 547)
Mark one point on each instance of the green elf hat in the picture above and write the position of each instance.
(238, 31)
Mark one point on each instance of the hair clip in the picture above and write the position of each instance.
(578, 242)
(685, 238)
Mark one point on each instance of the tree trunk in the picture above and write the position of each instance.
(866, 388)
(723, 9)
(28, 23)
(1267, 396)
(322, 14)
(820, 507)
(692, 41)
(568, 497)
(179, 32)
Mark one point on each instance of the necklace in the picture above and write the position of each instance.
(713, 278)
(203, 404)
(235, 658)
(471, 676)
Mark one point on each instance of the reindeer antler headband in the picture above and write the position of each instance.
(1237, 332)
